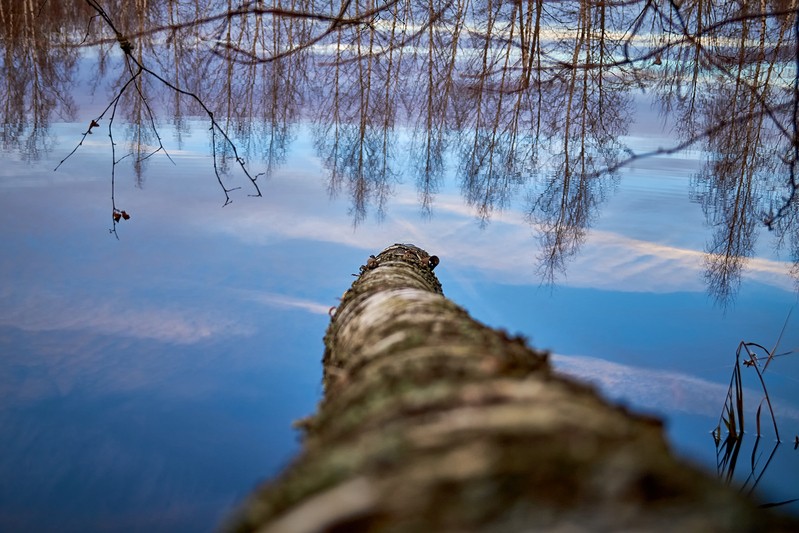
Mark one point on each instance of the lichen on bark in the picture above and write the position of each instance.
(431, 421)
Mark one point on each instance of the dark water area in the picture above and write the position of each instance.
(614, 182)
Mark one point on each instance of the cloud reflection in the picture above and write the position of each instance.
(662, 391)
(39, 311)
(623, 263)
(501, 250)
(280, 300)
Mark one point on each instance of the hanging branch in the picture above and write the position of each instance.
(246, 11)
(136, 68)
(336, 22)
(116, 214)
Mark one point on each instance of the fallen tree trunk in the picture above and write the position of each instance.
(431, 421)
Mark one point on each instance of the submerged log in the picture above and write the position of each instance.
(433, 422)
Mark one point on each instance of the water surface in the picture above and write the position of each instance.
(151, 367)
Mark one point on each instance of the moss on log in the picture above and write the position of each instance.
(431, 421)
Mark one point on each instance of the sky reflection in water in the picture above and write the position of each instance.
(152, 380)
(147, 383)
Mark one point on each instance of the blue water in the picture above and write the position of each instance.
(149, 382)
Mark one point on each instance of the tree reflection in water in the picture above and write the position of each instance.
(745, 165)
(530, 99)
(39, 71)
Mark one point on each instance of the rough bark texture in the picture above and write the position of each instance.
(433, 422)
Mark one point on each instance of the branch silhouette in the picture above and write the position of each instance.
(136, 68)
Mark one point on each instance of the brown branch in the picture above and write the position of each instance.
(241, 12)
(140, 68)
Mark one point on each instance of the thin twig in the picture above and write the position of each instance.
(136, 68)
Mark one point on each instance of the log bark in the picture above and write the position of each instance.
(433, 422)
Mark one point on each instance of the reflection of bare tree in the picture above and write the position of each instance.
(734, 186)
(787, 230)
(357, 114)
(38, 72)
(433, 95)
(261, 102)
(139, 118)
(526, 98)
(498, 147)
(789, 226)
(588, 110)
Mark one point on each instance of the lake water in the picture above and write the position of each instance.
(149, 374)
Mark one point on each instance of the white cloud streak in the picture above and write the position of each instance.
(280, 300)
(505, 250)
(40, 311)
(661, 391)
